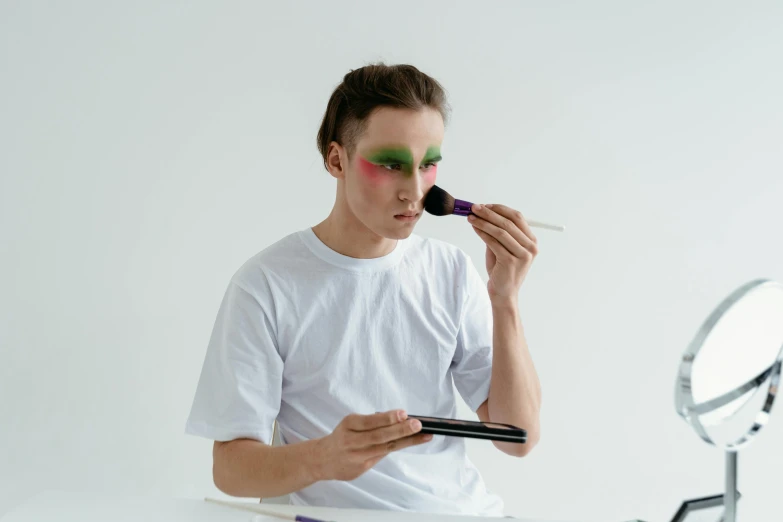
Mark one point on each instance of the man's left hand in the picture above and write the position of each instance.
(511, 247)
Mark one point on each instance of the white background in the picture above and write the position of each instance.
(149, 148)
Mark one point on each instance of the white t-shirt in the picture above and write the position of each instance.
(307, 336)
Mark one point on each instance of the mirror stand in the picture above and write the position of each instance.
(727, 500)
(730, 514)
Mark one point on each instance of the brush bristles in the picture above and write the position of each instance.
(439, 202)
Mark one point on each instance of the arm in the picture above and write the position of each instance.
(515, 391)
(248, 468)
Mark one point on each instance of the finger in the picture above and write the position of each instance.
(515, 216)
(514, 226)
(390, 433)
(493, 244)
(512, 222)
(510, 244)
(380, 450)
(377, 420)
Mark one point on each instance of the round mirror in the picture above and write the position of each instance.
(729, 374)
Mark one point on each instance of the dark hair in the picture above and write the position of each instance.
(371, 87)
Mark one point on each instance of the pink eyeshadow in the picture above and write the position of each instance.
(372, 172)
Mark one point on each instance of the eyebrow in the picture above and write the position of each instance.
(390, 158)
(391, 155)
(403, 155)
(432, 155)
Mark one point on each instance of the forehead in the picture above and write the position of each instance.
(414, 129)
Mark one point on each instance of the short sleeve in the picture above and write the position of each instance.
(239, 390)
(472, 363)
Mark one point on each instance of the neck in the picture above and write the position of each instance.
(345, 234)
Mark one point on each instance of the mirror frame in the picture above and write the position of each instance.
(683, 400)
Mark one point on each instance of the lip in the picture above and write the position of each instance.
(407, 216)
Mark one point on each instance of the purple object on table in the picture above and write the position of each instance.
(300, 518)
(462, 207)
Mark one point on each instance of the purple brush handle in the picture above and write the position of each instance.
(462, 207)
(300, 518)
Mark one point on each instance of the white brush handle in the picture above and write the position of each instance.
(539, 224)
(251, 507)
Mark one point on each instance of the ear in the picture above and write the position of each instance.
(337, 160)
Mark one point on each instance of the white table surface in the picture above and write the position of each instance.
(56, 506)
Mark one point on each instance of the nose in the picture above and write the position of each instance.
(412, 188)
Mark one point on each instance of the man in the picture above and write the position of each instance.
(359, 315)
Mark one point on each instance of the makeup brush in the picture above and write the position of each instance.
(440, 203)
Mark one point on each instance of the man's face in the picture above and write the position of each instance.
(393, 167)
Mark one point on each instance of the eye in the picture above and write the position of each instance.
(429, 165)
(392, 166)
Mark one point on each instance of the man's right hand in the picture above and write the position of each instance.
(360, 441)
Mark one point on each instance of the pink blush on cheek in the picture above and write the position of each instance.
(372, 172)
(429, 176)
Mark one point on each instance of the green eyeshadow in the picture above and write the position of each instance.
(402, 156)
